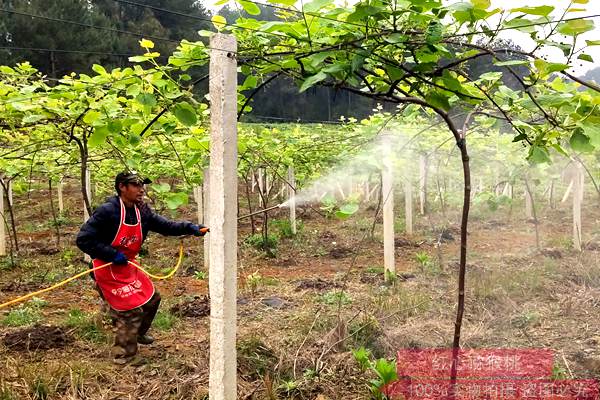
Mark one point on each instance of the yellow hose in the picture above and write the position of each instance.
(56, 286)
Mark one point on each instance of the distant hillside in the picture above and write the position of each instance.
(593, 75)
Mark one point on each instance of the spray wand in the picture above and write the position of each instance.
(262, 211)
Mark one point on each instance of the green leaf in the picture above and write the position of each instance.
(134, 139)
(249, 7)
(219, 22)
(481, 4)
(347, 210)
(284, 2)
(196, 144)
(161, 187)
(581, 1)
(538, 155)
(147, 44)
(30, 119)
(585, 57)
(511, 62)
(185, 113)
(543, 11)
(99, 69)
(115, 126)
(438, 100)
(91, 116)
(316, 5)
(98, 136)
(250, 82)
(312, 80)
(146, 99)
(593, 42)
(576, 27)
(580, 142)
(433, 33)
(174, 200)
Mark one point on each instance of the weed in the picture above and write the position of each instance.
(200, 275)
(61, 220)
(526, 319)
(288, 387)
(253, 281)
(365, 334)
(8, 264)
(165, 321)
(328, 205)
(6, 393)
(385, 371)
(259, 242)
(334, 297)
(254, 357)
(284, 227)
(375, 270)
(86, 326)
(426, 264)
(559, 372)
(67, 256)
(25, 314)
(39, 389)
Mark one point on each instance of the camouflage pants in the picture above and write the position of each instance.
(129, 324)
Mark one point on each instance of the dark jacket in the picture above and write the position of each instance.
(96, 235)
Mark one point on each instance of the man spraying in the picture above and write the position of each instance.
(115, 233)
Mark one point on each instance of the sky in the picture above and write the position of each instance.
(523, 40)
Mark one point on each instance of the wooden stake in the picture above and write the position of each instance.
(223, 218)
(292, 198)
(408, 208)
(387, 192)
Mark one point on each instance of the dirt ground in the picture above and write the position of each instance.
(302, 312)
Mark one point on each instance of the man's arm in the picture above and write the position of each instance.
(89, 236)
(159, 224)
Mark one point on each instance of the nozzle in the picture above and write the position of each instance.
(204, 230)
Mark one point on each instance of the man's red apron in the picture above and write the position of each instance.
(124, 286)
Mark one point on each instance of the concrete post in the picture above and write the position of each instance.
(292, 198)
(387, 192)
(223, 218)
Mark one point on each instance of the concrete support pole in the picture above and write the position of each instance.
(568, 191)
(408, 206)
(387, 192)
(197, 192)
(528, 205)
(292, 198)
(59, 189)
(578, 182)
(223, 218)
(2, 224)
(423, 184)
(86, 215)
(207, 213)
(10, 193)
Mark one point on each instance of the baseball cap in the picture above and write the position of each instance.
(131, 177)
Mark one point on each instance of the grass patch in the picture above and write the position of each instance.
(25, 314)
(86, 326)
(334, 297)
(165, 321)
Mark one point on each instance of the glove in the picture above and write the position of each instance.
(120, 259)
(200, 230)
